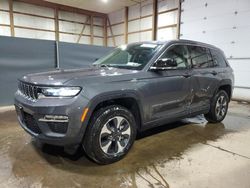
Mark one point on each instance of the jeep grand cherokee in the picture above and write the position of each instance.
(134, 88)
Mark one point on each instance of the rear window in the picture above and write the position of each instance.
(200, 57)
(218, 58)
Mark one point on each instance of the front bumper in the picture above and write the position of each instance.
(68, 132)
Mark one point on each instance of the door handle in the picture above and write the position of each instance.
(214, 73)
(186, 75)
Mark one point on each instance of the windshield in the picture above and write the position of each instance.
(129, 57)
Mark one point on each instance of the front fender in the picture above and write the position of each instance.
(107, 96)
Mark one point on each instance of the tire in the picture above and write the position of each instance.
(110, 134)
(218, 108)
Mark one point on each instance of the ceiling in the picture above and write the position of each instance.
(103, 6)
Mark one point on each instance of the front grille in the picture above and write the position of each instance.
(58, 127)
(31, 123)
(28, 90)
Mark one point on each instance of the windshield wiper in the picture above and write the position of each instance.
(104, 65)
(101, 65)
(115, 66)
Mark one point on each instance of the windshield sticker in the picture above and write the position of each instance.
(123, 47)
(133, 64)
(148, 45)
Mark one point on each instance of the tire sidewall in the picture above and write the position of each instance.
(220, 93)
(102, 117)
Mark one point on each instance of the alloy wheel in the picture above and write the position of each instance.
(115, 135)
(221, 106)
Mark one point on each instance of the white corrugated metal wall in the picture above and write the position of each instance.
(140, 21)
(226, 25)
(116, 19)
(32, 21)
(144, 24)
(38, 22)
(5, 18)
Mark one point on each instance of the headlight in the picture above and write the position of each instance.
(59, 92)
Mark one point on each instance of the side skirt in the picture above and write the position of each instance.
(165, 121)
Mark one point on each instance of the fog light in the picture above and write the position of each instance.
(54, 118)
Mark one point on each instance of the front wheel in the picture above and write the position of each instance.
(219, 107)
(110, 134)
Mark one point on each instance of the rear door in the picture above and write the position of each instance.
(204, 78)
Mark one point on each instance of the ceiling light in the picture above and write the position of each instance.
(104, 1)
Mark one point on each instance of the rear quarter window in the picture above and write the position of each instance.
(200, 57)
(218, 58)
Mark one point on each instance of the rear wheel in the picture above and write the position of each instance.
(219, 107)
(110, 134)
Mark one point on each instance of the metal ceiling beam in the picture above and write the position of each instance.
(12, 29)
(126, 24)
(178, 33)
(56, 24)
(155, 20)
(105, 31)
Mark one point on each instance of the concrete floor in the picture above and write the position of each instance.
(191, 153)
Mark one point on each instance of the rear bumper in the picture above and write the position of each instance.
(68, 132)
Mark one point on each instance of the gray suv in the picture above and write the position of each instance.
(134, 88)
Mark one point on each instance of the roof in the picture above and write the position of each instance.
(191, 42)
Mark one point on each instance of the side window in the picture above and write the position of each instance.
(179, 53)
(218, 58)
(200, 57)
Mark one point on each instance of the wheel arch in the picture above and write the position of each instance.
(129, 100)
(225, 85)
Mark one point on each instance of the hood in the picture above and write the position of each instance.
(61, 77)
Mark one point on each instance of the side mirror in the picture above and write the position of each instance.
(164, 64)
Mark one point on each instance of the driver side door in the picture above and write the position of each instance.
(170, 89)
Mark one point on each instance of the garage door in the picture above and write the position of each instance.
(226, 25)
